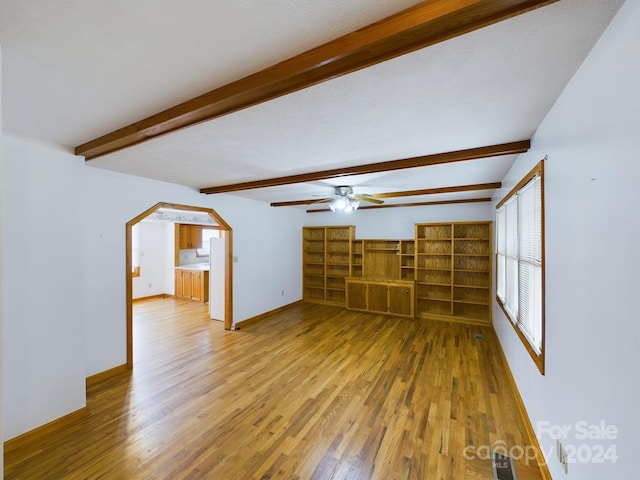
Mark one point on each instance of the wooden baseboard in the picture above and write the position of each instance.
(262, 316)
(38, 432)
(531, 433)
(151, 297)
(323, 302)
(463, 321)
(93, 380)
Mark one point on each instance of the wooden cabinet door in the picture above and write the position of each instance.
(377, 298)
(357, 295)
(186, 284)
(400, 300)
(190, 236)
(205, 286)
(179, 290)
(196, 236)
(196, 285)
(185, 237)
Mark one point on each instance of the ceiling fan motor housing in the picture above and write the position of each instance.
(344, 190)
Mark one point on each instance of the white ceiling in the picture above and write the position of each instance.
(74, 70)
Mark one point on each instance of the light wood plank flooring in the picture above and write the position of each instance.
(315, 392)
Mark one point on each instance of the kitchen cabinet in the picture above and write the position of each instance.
(179, 283)
(389, 297)
(190, 236)
(192, 284)
(196, 285)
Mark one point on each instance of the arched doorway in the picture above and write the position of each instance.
(227, 234)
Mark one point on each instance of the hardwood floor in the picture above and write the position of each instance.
(314, 392)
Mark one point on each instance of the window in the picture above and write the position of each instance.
(207, 234)
(520, 261)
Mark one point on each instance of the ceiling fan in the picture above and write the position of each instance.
(344, 200)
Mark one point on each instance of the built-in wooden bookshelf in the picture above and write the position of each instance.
(356, 258)
(381, 259)
(453, 271)
(407, 260)
(387, 259)
(445, 270)
(338, 253)
(433, 272)
(326, 262)
(313, 279)
(472, 271)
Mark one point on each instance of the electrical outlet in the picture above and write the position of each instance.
(562, 456)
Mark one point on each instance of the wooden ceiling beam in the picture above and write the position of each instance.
(414, 204)
(406, 193)
(417, 27)
(434, 191)
(513, 148)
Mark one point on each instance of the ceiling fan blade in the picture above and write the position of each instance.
(366, 198)
(301, 202)
(323, 200)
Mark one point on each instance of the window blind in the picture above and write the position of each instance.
(530, 261)
(519, 262)
(511, 256)
(500, 252)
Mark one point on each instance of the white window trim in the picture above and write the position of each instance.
(212, 232)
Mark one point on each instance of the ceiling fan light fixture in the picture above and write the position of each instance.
(344, 204)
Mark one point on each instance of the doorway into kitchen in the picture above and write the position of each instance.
(170, 212)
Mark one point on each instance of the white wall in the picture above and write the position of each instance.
(43, 211)
(268, 254)
(1, 302)
(398, 223)
(189, 256)
(64, 309)
(592, 202)
(271, 238)
(156, 260)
